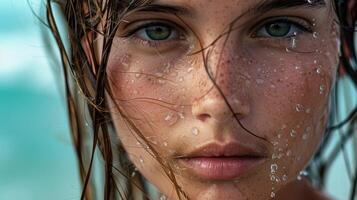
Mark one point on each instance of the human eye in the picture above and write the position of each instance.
(155, 33)
(278, 28)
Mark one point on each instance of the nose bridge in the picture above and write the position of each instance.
(227, 96)
(226, 65)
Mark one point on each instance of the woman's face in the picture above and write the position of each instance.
(233, 94)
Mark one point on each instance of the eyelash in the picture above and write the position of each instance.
(175, 29)
(300, 25)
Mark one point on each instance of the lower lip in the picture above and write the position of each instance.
(221, 168)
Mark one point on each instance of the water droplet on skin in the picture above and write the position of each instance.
(189, 69)
(181, 115)
(272, 194)
(277, 179)
(163, 197)
(285, 177)
(279, 136)
(322, 89)
(272, 177)
(288, 153)
(314, 34)
(305, 136)
(308, 110)
(171, 118)
(141, 160)
(318, 70)
(301, 174)
(304, 173)
(274, 156)
(273, 168)
(137, 75)
(299, 178)
(133, 174)
(181, 79)
(299, 107)
(195, 131)
(165, 144)
(293, 133)
(315, 61)
(124, 61)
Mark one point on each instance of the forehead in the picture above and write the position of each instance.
(237, 5)
(225, 10)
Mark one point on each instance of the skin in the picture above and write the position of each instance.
(279, 95)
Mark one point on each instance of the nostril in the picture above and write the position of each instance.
(203, 117)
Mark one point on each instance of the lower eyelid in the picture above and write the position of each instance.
(153, 43)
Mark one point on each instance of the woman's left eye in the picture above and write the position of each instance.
(281, 29)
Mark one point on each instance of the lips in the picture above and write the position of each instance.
(222, 162)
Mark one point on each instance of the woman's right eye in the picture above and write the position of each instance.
(156, 33)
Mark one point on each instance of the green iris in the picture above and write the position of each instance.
(158, 32)
(278, 29)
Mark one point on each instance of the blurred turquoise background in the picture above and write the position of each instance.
(36, 156)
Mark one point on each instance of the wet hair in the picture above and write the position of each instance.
(87, 84)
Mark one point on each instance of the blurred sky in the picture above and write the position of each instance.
(36, 156)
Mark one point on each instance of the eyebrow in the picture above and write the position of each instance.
(267, 5)
(172, 9)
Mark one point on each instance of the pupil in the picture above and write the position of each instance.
(158, 32)
(278, 29)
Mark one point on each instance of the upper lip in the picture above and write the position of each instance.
(232, 149)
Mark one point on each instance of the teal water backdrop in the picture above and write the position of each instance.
(36, 155)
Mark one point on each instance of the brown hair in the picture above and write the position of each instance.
(86, 92)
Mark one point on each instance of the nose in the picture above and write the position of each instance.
(227, 97)
(216, 107)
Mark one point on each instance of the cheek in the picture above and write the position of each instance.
(152, 93)
(293, 102)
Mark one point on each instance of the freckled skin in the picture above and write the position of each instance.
(167, 92)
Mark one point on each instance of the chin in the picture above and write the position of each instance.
(225, 191)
